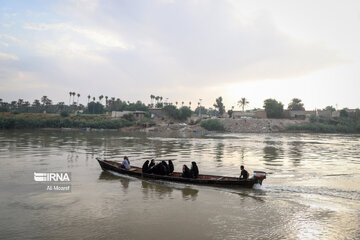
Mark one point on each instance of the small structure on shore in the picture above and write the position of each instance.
(249, 114)
(136, 114)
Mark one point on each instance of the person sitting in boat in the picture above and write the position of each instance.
(166, 167)
(152, 163)
(186, 172)
(145, 166)
(171, 167)
(158, 169)
(194, 170)
(125, 163)
(244, 174)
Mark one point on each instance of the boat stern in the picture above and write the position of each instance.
(259, 176)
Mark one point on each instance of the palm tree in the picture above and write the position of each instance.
(44, 100)
(94, 99)
(101, 97)
(60, 106)
(190, 104)
(106, 100)
(20, 102)
(176, 103)
(152, 99)
(36, 103)
(73, 93)
(70, 93)
(78, 95)
(242, 103)
(89, 98)
(182, 103)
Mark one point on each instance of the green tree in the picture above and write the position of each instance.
(95, 108)
(344, 113)
(296, 105)
(242, 103)
(171, 111)
(273, 108)
(202, 109)
(159, 105)
(220, 106)
(184, 113)
(330, 108)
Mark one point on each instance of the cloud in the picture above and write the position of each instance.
(6, 56)
(4, 44)
(190, 42)
(100, 37)
(172, 48)
(9, 37)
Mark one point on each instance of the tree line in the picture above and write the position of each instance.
(272, 107)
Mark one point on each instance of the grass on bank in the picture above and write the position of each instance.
(212, 125)
(22, 121)
(339, 125)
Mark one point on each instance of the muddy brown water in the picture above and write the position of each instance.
(312, 190)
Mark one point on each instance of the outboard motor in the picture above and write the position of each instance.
(259, 176)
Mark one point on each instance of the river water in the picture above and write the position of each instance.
(312, 190)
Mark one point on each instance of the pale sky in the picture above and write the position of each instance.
(182, 50)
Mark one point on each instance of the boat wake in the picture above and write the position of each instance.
(322, 191)
(121, 175)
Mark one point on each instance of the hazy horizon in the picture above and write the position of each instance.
(182, 50)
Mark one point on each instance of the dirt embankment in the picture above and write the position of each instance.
(253, 125)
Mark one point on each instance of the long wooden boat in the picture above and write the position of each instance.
(210, 180)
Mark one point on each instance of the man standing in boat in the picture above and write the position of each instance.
(244, 175)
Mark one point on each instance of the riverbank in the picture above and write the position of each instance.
(339, 125)
(34, 121)
(102, 121)
(253, 125)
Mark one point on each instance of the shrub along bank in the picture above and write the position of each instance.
(339, 125)
(212, 125)
(22, 121)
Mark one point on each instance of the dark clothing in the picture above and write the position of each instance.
(158, 169)
(151, 164)
(166, 167)
(194, 170)
(171, 167)
(145, 166)
(244, 174)
(186, 173)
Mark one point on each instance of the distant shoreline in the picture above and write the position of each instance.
(105, 123)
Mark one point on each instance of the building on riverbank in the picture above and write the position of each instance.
(250, 114)
(137, 114)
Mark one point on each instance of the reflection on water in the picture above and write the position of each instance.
(312, 189)
(219, 153)
(295, 151)
(149, 187)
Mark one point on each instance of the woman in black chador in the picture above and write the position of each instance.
(145, 166)
(171, 167)
(186, 172)
(166, 168)
(152, 163)
(194, 170)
